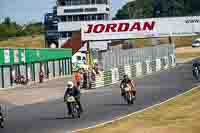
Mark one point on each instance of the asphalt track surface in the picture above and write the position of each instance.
(102, 104)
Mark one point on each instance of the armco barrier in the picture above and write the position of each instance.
(134, 70)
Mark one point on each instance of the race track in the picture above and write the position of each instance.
(100, 105)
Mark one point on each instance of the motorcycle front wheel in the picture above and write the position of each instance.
(75, 111)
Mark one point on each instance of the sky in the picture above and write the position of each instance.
(24, 11)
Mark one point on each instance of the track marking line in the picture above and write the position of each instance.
(126, 116)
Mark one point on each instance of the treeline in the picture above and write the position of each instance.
(10, 28)
(158, 8)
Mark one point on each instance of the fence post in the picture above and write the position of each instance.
(54, 74)
(11, 78)
(2, 76)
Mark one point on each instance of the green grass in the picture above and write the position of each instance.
(180, 115)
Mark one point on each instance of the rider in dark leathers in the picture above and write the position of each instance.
(196, 64)
(72, 90)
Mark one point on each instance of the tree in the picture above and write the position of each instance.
(158, 8)
(136, 9)
(7, 21)
(195, 9)
(12, 29)
(122, 13)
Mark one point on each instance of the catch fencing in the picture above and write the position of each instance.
(117, 57)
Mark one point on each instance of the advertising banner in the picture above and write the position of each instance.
(140, 28)
(6, 56)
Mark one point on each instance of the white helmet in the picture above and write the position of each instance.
(70, 84)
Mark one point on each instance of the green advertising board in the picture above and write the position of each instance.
(9, 56)
(34, 55)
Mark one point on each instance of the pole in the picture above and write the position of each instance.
(88, 54)
(129, 13)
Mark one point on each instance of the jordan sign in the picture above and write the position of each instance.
(140, 28)
(120, 27)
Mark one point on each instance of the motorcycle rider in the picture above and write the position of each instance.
(126, 80)
(196, 64)
(72, 90)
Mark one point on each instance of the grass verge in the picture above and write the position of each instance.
(24, 42)
(180, 115)
(187, 55)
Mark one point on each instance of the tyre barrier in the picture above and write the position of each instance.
(134, 70)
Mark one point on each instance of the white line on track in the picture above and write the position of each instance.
(123, 117)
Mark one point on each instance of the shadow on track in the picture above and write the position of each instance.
(57, 118)
(118, 104)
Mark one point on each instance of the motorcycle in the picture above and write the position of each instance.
(196, 73)
(76, 113)
(129, 97)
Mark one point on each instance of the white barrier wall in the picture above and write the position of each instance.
(158, 65)
(173, 58)
(138, 69)
(149, 68)
(115, 75)
(166, 60)
(127, 69)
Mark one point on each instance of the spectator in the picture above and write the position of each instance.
(91, 77)
(78, 78)
(96, 69)
(41, 76)
(85, 76)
